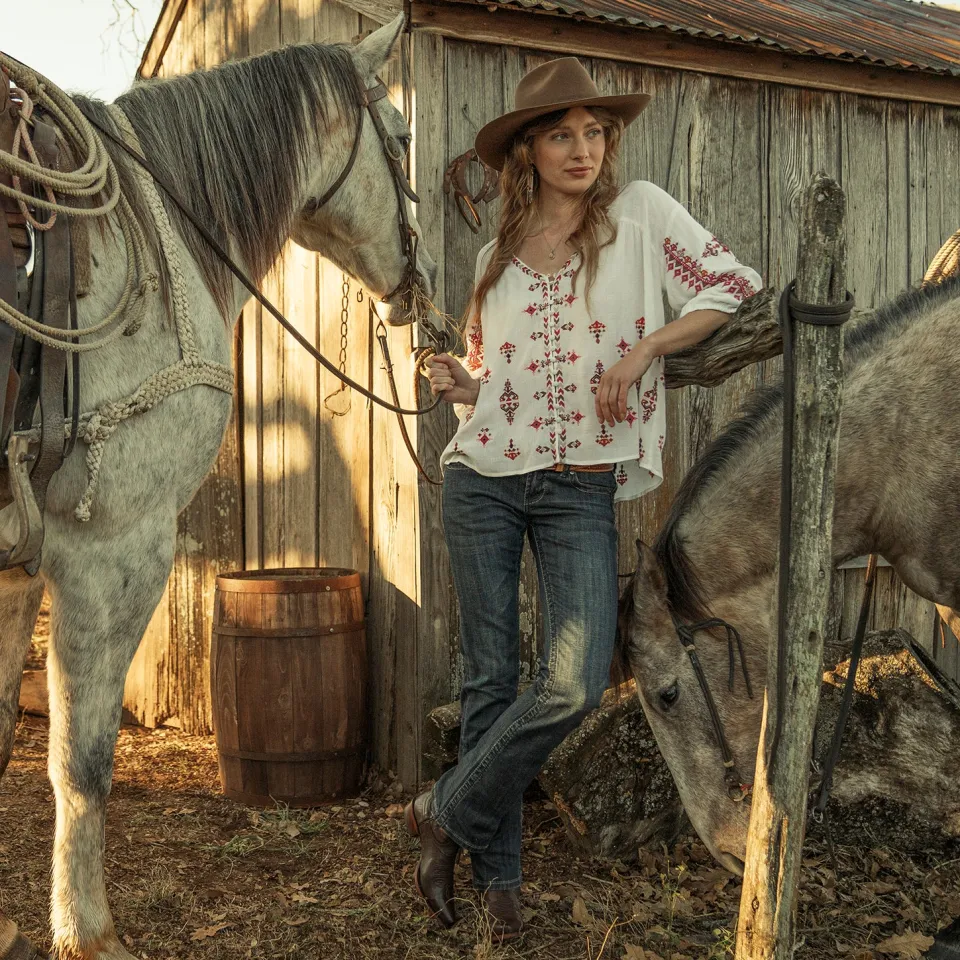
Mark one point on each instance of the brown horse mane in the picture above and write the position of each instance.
(762, 414)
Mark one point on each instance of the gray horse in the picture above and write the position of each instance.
(897, 495)
(251, 145)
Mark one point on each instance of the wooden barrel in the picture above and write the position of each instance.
(288, 671)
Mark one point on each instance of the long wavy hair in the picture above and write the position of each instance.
(517, 217)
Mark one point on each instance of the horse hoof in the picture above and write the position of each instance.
(946, 946)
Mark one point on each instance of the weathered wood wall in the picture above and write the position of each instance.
(295, 485)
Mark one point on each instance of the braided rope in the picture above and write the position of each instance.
(97, 174)
(946, 263)
(189, 371)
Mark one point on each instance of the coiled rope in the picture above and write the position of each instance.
(95, 176)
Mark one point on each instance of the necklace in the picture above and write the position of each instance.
(543, 232)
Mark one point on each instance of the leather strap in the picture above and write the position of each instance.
(53, 363)
(581, 467)
(9, 381)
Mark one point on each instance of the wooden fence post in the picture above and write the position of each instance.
(767, 920)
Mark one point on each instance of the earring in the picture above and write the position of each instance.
(529, 186)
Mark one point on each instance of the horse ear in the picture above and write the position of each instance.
(373, 52)
(648, 563)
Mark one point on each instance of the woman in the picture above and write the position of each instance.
(561, 412)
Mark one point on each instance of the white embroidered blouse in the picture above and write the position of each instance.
(539, 349)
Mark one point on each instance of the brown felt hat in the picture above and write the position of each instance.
(555, 85)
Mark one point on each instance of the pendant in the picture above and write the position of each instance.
(552, 255)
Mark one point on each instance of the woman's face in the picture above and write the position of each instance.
(568, 156)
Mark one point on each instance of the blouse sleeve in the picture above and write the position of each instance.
(473, 342)
(699, 271)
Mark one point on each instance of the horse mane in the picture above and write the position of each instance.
(234, 140)
(764, 411)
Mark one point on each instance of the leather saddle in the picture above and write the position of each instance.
(36, 268)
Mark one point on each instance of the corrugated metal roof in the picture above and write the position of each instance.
(895, 33)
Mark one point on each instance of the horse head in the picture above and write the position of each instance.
(676, 694)
(360, 225)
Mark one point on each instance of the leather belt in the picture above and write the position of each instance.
(581, 467)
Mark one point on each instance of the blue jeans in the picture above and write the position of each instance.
(506, 739)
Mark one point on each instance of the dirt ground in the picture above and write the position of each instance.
(192, 874)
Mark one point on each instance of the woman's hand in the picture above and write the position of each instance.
(611, 397)
(449, 380)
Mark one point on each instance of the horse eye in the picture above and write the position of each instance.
(669, 696)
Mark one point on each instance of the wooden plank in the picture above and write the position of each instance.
(437, 618)
(378, 11)
(394, 584)
(562, 34)
(154, 53)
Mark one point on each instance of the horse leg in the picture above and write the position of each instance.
(103, 594)
(20, 598)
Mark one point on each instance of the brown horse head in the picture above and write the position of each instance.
(677, 707)
(714, 559)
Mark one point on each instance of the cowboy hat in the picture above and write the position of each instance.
(555, 85)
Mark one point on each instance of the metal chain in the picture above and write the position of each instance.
(344, 317)
(338, 402)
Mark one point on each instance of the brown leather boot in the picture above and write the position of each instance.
(438, 856)
(503, 906)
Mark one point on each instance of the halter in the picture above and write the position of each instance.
(394, 154)
(737, 788)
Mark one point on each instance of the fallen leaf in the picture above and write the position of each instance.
(631, 952)
(303, 898)
(549, 897)
(204, 932)
(295, 921)
(581, 914)
(394, 810)
(910, 945)
(874, 918)
(292, 830)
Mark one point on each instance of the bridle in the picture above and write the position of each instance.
(737, 788)
(408, 237)
(394, 154)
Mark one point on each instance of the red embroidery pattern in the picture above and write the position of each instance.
(484, 435)
(512, 451)
(660, 443)
(713, 248)
(604, 438)
(537, 423)
(621, 476)
(641, 325)
(485, 379)
(533, 366)
(623, 348)
(474, 358)
(597, 329)
(509, 401)
(697, 277)
(595, 379)
(508, 350)
(631, 416)
(649, 402)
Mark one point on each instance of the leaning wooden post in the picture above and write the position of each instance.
(768, 905)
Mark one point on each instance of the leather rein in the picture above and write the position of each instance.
(409, 239)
